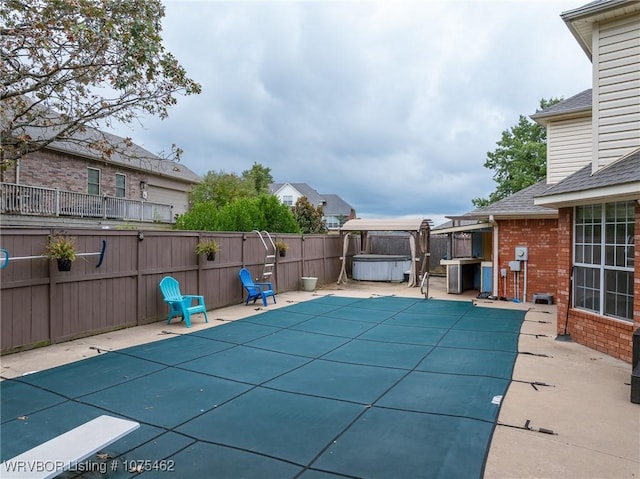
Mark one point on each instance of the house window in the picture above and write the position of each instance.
(603, 252)
(93, 183)
(332, 222)
(121, 183)
(287, 200)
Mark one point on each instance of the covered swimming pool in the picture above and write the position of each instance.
(332, 387)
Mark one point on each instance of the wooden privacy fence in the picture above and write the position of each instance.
(40, 305)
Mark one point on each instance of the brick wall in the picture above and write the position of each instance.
(50, 169)
(608, 335)
(540, 237)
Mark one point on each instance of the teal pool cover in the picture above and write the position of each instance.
(383, 387)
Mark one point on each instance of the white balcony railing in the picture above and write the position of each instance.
(31, 200)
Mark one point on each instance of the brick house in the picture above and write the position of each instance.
(498, 229)
(69, 184)
(593, 179)
(581, 224)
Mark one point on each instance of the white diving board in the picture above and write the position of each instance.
(59, 454)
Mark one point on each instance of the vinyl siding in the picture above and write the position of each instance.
(288, 190)
(569, 146)
(616, 75)
(169, 196)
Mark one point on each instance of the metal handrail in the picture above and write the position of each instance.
(39, 201)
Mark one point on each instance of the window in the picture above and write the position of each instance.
(287, 200)
(121, 183)
(93, 183)
(332, 222)
(603, 252)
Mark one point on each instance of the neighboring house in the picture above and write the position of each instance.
(580, 226)
(335, 210)
(68, 184)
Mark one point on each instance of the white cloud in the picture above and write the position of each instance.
(391, 105)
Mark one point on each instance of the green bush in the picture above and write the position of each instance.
(263, 212)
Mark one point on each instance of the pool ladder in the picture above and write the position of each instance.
(270, 254)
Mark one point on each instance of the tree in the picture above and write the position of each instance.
(200, 217)
(264, 212)
(220, 189)
(70, 67)
(520, 159)
(242, 214)
(259, 177)
(278, 216)
(309, 218)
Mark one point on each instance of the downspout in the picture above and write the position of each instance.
(524, 286)
(496, 264)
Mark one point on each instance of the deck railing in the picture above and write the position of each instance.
(37, 201)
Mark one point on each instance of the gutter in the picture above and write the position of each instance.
(591, 12)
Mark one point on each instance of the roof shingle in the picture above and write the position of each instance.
(519, 204)
(625, 170)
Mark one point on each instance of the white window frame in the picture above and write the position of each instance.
(124, 186)
(287, 200)
(332, 221)
(603, 249)
(89, 183)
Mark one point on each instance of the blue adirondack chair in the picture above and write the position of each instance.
(179, 304)
(256, 290)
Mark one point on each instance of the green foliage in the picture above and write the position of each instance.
(242, 214)
(220, 189)
(259, 177)
(207, 247)
(520, 159)
(200, 217)
(309, 217)
(90, 61)
(281, 245)
(226, 202)
(61, 247)
(277, 216)
(262, 212)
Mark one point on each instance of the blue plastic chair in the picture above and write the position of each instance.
(256, 290)
(179, 304)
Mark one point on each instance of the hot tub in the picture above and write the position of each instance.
(380, 267)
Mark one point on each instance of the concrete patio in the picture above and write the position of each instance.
(566, 414)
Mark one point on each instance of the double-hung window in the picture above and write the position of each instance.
(287, 200)
(121, 184)
(332, 221)
(603, 252)
(93, 181)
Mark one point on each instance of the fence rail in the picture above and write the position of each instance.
(37, 201)
(40, 305)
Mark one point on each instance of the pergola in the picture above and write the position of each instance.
(418, 229)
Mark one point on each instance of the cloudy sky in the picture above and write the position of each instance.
(391, 105)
